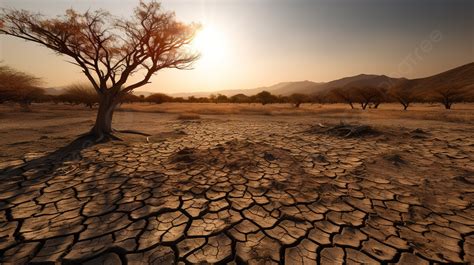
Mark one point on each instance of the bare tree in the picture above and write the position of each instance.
(368, 94)
(19, 87)
(109, 50)
(343, 94)
(448, 95)
(404, 94)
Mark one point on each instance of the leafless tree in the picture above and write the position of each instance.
(448, 95)
(368, 94)
(343, 94)
(109, 50)
(404, 94)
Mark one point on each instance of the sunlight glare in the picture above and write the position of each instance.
(211, 43)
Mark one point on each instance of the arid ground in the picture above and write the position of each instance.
(238, 184)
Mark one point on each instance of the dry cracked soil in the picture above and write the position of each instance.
(244, 192)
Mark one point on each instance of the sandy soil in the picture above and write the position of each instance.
(276, 188)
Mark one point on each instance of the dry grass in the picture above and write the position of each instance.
(463, 113)
(212, 108)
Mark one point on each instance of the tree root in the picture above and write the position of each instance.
(109, 136)
(105, 137)
(101, 137)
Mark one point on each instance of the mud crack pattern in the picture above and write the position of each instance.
(245, 193)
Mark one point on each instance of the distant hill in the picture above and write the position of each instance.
(284, 88)
(460, 76)
(463, 75)
(53, 91)
(304, 87)
(144, 93)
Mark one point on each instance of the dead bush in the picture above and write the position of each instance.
(346, 130)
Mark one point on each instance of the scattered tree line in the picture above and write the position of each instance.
(402, 93)
(24, 89)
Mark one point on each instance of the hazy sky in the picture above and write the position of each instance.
(262, 42)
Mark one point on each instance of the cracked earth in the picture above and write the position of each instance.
(246, 192)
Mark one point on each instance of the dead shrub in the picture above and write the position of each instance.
(346, 130)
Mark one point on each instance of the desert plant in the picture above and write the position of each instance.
(81, 94)
(297, 99)
(158, 98)
(131, 98)
(108, 49)
(213, 98)
(320, 98)
(368, 94)
(239, 98)
(265, 97)
(448, 95)
(19, 87)
(221, 98)
(343, 94)
(404, 94)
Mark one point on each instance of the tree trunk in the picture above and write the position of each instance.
(364, 105)
(103, 122)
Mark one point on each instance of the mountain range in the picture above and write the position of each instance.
(460, 76)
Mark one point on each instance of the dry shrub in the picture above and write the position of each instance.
(345, 130)
(189, 116)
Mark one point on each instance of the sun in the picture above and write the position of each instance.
(212, 44)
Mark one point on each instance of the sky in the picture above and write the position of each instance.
(253, 43)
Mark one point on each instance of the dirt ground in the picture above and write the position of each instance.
(238, 184)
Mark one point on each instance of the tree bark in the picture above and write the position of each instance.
(103, 123)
